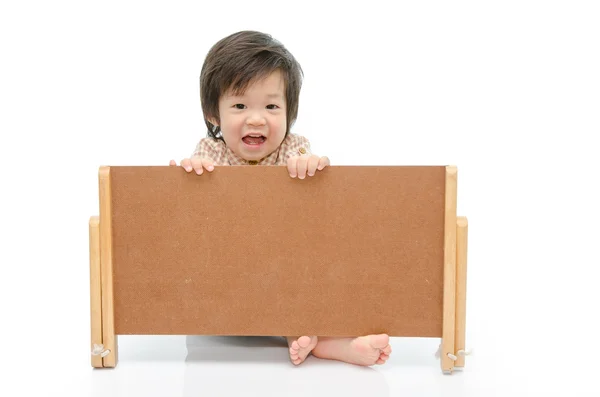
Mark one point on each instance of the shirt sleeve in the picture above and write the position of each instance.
(296, 145)
(210, 148)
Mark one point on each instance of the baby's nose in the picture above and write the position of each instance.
(256, 120)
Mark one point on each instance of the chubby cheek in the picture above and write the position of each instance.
(277, 124)
(233, 125)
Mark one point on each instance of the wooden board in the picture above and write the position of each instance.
(251, 251)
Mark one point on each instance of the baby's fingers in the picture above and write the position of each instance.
(323, 162)
(301, 167)
(291, 166)
(196, 164)
(313, 162)
(186, 164)
(208, 164)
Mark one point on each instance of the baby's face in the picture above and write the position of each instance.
(253, 124)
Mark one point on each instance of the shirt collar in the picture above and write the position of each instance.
(271, 159)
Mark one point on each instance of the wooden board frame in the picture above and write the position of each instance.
(104, 340)
(449, 321)
(461, 290)
(95, 292)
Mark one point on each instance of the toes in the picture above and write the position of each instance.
(380, 341)
(299, 348)
(382, 358)
(387, 350)
(303, 341)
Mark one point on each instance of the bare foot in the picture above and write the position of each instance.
(363, 350)
(300, 347)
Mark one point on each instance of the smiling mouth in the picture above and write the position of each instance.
(254, 139)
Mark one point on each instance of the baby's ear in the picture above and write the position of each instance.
(213, 121)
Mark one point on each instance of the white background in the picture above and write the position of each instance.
(507, 91)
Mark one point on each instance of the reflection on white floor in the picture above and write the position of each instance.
(260, 366)
(152, 366)
(263, 367)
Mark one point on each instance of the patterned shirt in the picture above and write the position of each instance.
(220, 154)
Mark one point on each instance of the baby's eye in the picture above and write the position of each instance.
(271, 107)
(239, 106)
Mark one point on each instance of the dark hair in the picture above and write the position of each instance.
(238, 60)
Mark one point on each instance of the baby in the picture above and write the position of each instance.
(249, 90)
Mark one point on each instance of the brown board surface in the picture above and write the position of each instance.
(247, 250)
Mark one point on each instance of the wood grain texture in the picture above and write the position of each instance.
(251, 251)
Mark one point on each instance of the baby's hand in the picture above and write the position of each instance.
(300, 166)
(197, 164)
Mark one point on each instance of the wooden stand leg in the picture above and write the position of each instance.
(106, 264)
(461, 289)
(95, 292)
(449, 322)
